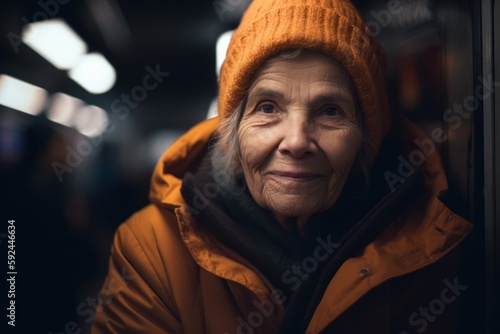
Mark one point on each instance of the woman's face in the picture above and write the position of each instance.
(298, 135)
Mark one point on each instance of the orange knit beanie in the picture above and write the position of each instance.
(333, 27)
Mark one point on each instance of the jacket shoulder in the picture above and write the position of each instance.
(149, 226)
(151, 274)
(151, 239)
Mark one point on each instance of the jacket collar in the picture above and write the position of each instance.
(184, 153)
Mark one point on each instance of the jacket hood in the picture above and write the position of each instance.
(179, 158)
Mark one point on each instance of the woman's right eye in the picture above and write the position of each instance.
(266, 108)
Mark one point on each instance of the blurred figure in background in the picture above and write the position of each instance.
(52, 255)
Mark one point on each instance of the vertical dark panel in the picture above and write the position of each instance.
(463, 152)
(496, 204)
(456, 24)
(491, 126)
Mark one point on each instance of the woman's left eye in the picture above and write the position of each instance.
(331, 110)
(267, 108)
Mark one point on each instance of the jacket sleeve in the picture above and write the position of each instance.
(133, 297)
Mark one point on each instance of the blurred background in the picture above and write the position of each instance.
(92, 92)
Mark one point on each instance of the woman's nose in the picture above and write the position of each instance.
(297, 140)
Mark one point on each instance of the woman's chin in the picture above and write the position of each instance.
(294, 214)
(297, 205)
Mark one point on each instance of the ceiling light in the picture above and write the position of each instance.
(94, 73)
(221, 49)
(55, 41)
(63, 108)
(91, 121)
(22, 96)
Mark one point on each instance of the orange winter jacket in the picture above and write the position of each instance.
(168, 274)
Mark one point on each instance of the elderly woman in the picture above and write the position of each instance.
(305, 206)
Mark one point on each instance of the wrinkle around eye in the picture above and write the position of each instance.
(338, 109)
(344, 114)
(258, 110)
(340, 119)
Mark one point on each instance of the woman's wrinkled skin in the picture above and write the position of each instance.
(298, 136)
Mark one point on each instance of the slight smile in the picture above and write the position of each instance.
(296, 176)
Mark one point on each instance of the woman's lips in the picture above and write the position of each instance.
(296, 176)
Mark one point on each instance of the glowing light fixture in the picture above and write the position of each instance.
(63, 108)
(22, 96)
(94, 73)
(91, 121)
(221, 48)
(55, 41)
(212, 109)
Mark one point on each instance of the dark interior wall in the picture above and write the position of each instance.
(496, 183)
(457, 119)
(491, 66)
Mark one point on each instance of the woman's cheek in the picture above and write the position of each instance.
(255, 143)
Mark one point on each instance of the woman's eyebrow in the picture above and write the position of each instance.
(336, 96)
(264, 92)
